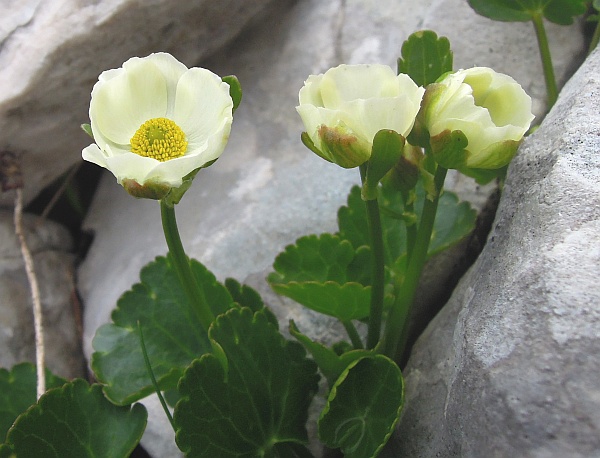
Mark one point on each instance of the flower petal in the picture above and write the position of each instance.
(202, 106)
(122, 103)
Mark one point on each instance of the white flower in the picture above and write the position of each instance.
(491, 109)
(155, 121)
(345, 107)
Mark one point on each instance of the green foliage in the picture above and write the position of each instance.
(320, 273)
(386, 151)
(329, 361)
(557, 11)
(76, 421)
(172, 331)
(363, 407)
(425, 57)
(331, 273)
(235, 90)
(18, 392)
(256, 404)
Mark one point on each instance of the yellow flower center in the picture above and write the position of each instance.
(159, 138)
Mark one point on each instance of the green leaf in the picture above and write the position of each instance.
(174, 336)
(256, 407)
(18, 391)
(330, 363)
(245, 296)
(77, 421)
(235, 90)
(349, 301)
(425, 57)
(557, 11)
(386, 151)
(363, 407)
(322, 273)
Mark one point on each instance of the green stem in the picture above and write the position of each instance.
(396, 329)
(181, 264)
(411, 231)
(542, 38)
(353, 334)
(153, 378)
(378, 267)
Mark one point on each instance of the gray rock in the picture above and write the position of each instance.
(267, 189)
(52, 51)
(49, 244)
(510, 365)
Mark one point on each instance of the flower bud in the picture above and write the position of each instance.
(490, 109)
(345, 107)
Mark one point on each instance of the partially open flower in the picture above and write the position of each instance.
(345, 107)
(156, 122)
(491, 109)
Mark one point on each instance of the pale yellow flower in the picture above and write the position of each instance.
(155, 121)
(345, 107)
(491, 109)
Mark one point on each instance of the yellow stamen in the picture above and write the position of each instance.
(159, 138)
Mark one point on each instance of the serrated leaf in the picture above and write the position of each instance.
(77, 421)
(557, 11)
(314, 258)
(363, 407)
(330, 363)
(259, 405)
(349, 301)
(425, 57)
(321, 273)
(246, 296)
(18, 391)
(174, 336)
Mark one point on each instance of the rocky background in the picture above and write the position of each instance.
(509, 365)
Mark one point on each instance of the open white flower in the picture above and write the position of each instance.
(345, 107)
(155, 121)
(491, 109)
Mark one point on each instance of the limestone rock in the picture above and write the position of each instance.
(52, 51)
(267, 189)
(510, 365)
(49, 244)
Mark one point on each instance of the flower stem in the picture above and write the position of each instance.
(353, 334)
(377, 262)
(181, 264)
(542, 38)
(153, 378)
(396, 329)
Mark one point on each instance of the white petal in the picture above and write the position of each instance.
(94, 155)
(351, 82)
(131, 166)
(172, 71)
(121, 104)
(310, 94)
(202, 105)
